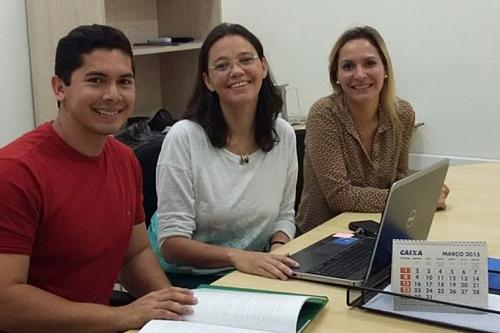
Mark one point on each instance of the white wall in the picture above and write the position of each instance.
(446, 55)
(16, 105)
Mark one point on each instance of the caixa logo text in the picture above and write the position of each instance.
(404, 252)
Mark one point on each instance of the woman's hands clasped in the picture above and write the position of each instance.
(275, 266)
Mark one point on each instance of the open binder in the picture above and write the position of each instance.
(380, 298)
(227, 309)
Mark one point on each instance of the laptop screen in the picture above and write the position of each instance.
(408, 214)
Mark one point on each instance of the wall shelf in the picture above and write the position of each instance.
(164, 74)
(145, 50)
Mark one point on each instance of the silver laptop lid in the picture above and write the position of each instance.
(408, 213)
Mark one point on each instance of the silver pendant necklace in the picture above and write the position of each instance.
(244, 159)
(235, 147)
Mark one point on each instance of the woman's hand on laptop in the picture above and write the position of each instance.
(274, 266)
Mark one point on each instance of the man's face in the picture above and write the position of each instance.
(101, 94)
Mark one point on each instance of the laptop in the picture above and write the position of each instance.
(408, 214)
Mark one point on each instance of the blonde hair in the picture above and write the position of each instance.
(388, 98)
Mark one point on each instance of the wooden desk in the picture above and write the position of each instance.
(472, 214)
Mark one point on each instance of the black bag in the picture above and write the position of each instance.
(142, 130)
(161, 120)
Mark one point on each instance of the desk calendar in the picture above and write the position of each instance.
(451, 271)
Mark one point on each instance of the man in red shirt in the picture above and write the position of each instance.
(71, 216)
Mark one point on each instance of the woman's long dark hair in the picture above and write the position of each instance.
(204, 107)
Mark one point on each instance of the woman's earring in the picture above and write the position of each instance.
(337, 82)
(385, 76)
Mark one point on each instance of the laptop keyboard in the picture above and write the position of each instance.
(347, 262)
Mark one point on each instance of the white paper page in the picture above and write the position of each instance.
(266, 312)
(164, 326)
(483, 321)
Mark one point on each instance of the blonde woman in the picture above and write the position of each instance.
(357, 139)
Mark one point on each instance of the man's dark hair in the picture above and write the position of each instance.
(83, 40)
(204, 107)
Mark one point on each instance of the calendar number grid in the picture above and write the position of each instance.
(445, 271)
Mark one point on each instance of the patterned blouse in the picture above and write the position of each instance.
(339, 173)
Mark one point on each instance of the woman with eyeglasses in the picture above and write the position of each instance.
(226, 174)
(357, 139)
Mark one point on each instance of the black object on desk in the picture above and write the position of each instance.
(364, 228)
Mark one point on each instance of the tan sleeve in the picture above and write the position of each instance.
(407, 117)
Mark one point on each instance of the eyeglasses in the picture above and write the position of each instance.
(224, 66)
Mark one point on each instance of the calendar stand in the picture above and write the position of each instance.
(380, 298)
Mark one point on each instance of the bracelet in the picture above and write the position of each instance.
(277, 242)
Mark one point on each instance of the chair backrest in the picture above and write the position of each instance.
(300, 136)
(147, 154)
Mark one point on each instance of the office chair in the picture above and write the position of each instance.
(119, 298)
(300, 136)
(147, 154)
(144, 135)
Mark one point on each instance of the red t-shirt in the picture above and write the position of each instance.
(73, 215)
